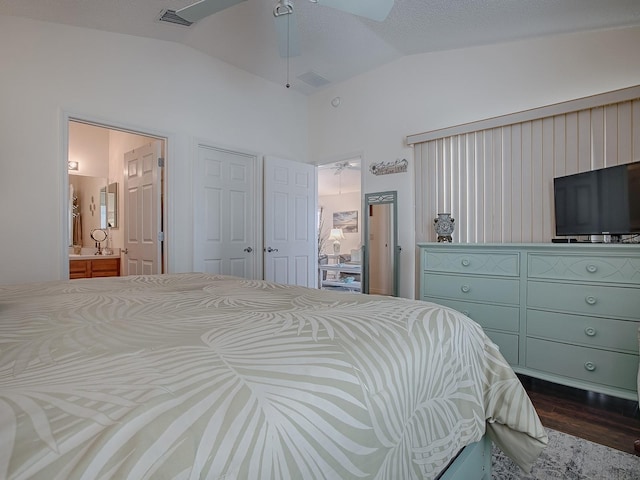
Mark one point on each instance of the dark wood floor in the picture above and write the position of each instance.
(599, 418)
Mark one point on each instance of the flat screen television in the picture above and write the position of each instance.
(598, 202)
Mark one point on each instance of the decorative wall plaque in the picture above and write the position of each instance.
(385, 168)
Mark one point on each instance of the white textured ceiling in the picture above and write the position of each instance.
(334, 44)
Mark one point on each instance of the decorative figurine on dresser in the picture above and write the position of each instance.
(444, 226)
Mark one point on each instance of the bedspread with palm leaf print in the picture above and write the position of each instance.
(200, 376)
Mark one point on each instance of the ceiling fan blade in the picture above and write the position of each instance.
(204, 8)
(288, 44)
(373, 9)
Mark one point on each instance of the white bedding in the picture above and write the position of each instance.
(198, 376)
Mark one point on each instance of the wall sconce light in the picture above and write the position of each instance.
(73, 165)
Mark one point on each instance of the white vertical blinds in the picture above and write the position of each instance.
(498, 182)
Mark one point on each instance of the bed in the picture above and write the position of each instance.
(188, 376)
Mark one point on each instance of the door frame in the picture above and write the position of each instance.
(389, 197)
(338, 159)
(166, 207)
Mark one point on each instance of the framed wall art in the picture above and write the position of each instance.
(347, 221)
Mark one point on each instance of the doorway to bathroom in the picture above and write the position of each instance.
(117, 183)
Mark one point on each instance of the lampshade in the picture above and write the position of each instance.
(336, 234)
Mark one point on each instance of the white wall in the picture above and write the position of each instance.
(169, 89)
(430, 91)
(50, 70)
(89, 146)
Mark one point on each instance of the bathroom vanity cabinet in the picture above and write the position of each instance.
(94, 267)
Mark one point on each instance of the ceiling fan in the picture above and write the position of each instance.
(340, 166)
(283, 13)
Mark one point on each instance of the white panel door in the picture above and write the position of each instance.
(290, 243)
(225, 213)
(142, 211)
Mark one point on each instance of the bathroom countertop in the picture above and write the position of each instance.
(74, 256)
(88, 253)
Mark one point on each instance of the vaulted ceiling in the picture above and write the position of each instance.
(335, 45)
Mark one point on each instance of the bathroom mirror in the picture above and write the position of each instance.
(109, 206)
(381, 252)
(85, 207)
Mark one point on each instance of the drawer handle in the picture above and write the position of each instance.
(590, 331)
(591, 300)
(592, 268)
(590, 366)
(465, 262)
(465, 288)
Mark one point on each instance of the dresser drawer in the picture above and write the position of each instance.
(588, 331)
(485, 289)
(507, 343)
(582, 363)
(585, 299)
(489, 263)
(499, 317)
(615, 269)
(491, 317)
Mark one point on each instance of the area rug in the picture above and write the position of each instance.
(571, 458)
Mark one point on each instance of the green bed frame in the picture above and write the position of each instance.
(472, 463)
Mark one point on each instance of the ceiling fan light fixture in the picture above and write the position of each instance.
(283, 7)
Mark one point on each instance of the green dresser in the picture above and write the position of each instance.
(567, 313)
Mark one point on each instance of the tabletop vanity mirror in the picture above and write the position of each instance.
(99, 235)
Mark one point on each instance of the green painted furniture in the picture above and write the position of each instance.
(472, 463)
(567, 313)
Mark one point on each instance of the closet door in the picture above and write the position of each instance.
(225, 213)
(290, 242)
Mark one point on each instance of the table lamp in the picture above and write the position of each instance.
(336, 235)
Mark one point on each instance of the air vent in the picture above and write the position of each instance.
(313, 79)
(170, 16)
